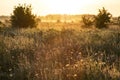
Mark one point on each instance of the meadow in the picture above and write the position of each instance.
(59, 51)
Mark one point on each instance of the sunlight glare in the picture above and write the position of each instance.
(65, 6)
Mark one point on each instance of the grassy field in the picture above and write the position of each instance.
(59, 52)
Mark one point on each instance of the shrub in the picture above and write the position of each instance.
(119, 20)
(87, 20)
(0, 25)
(102, 18)
(0, 22)
(22, 17)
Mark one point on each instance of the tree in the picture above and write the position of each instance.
(22, 17)
(102, 18)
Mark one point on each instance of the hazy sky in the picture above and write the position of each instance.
(44, 7)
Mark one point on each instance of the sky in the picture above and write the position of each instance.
(45, 7)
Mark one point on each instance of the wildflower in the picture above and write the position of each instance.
(71, 52)
(95, 54)
(67, 65)
(101, 54)
(81, 60)
(10, 69)
(90, 59)
(36, 74)
(79, 53)
(75, 75)
(11, 75)
(76, 65)
(96, 62)
(71, 58)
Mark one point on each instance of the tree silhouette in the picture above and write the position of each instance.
(22, 17)
(102, 18)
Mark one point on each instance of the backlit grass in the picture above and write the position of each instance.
(66, 54)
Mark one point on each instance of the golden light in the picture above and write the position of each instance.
(63, 6)
(44, 7)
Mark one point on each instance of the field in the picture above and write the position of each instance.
(60, 51)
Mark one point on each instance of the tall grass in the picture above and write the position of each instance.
(33, 54)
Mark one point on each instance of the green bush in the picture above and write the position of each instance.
(102, 18)
(22, 17)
